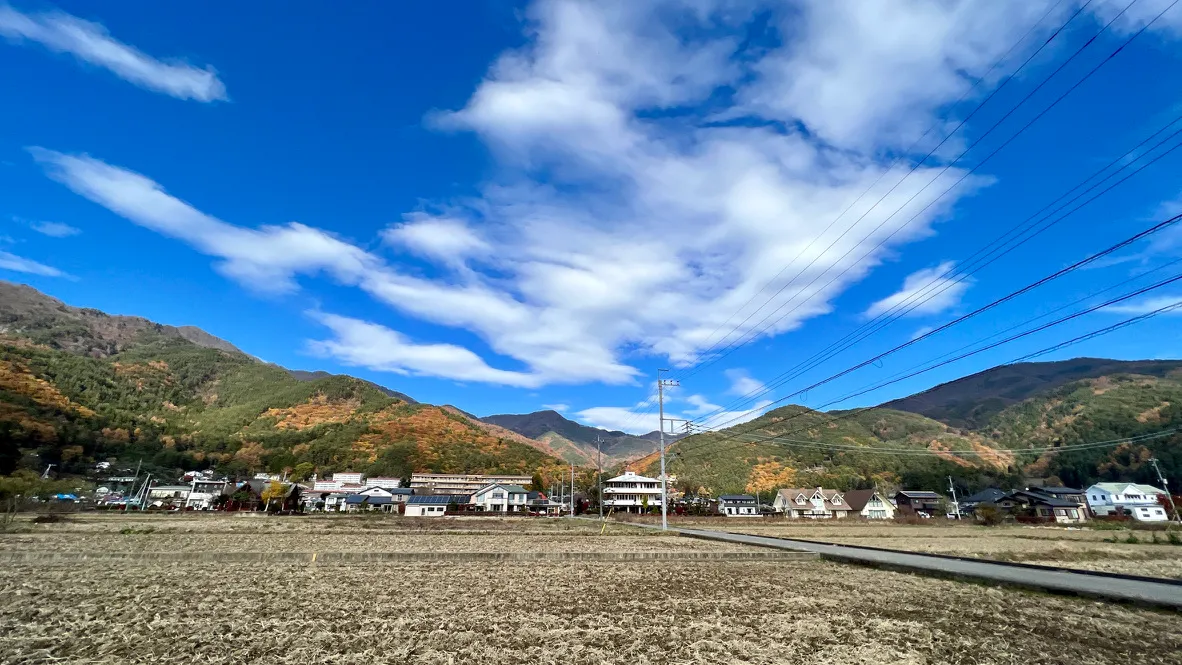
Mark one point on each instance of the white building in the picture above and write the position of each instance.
(348, 478)
(384, 483)
(631, 492)
(1136, 501)
(737, 505)
(462, 483)
(203, 492)
(816, 503)
(501, 498)
(168, 495)
(433, 505)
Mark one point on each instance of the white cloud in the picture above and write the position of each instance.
(90, 43)
(16, 263)
(619, 418)
(921, 331)
(641, 419)
(1147, 305)
(561, 408)
(363, 344)
(924, 292)
(55, 229)
(448, 240)
(623, 220)
(742, 383)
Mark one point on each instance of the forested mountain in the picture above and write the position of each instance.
(837, 449)
(78, 387)
(573, 441)
(973, 400)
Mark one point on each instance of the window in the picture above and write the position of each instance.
(836, 501)
(800, 500)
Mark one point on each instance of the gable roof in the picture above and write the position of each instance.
(1039, 497)
(918, 494)
(632, 477)
(991, 495)
(511, 489)
(856, 500)
(827, 496)
(1119, 488)
(1054, 491)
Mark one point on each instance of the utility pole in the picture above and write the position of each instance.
(955, 503)
(572, 489)
(599, 470)
(1165, 485)
(45, 474)
(661, 383)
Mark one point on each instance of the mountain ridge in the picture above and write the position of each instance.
(577, 439)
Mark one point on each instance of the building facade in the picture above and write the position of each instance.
(462, 483)
(631, 493)
(501, 498)
(869, 504)
(815, 503)
(737, 505)
(1128, 499)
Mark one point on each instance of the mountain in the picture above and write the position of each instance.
(79, 386)
(29, 314)
(1036, 406)
(973, 400)
(573, 441)
(305, 375)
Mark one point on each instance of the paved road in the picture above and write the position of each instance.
(1165, 593)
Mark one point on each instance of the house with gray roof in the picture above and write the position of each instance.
(1126, 499)
(502, 498)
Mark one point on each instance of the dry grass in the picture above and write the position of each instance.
(576, 614)
(1083, 549)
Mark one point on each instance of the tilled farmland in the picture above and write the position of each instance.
(573, 613)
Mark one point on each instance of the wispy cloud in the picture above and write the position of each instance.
(924, 292)
(742, 383)
(921, 331)
(9, 261)
(54, 229)
(90, 43)
(365, 344)
(561, 408)
(1147, 305)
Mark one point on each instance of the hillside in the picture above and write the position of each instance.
(574, 441)
(79, 387)
(819, 453)
(973, 400)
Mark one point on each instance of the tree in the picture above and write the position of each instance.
(274, 492)
(302, 471)
(536, 484)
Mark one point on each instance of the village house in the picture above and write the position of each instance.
(631, 492)
(1075, 496)
(869, 504)
(1139, 502)
(737, 505)
(539, 503)
(203, 492)
(1027, 503)
(986, 497)
(918, 502)
(434, 505)
(501, 498)
(816, 503)
(168, 496)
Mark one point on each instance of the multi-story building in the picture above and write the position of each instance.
(631, 492)
(816, 503)
(203, 492)
(501, 498)
(461, 483)
(1128, 499)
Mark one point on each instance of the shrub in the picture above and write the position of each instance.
(1132, 540)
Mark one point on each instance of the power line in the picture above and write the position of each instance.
(752, 335)
(1088, 336)
(992, 305)
(893, 163)
(965, 270)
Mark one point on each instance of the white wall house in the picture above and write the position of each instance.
(816, 503)
(1136, 501)
(631, 492)
(202, 493)
(432, 505)
(869, 504)
(501, 498)
(737, 505)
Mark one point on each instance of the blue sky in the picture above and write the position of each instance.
(538, 204)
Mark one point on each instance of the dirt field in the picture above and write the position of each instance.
(96, 611)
